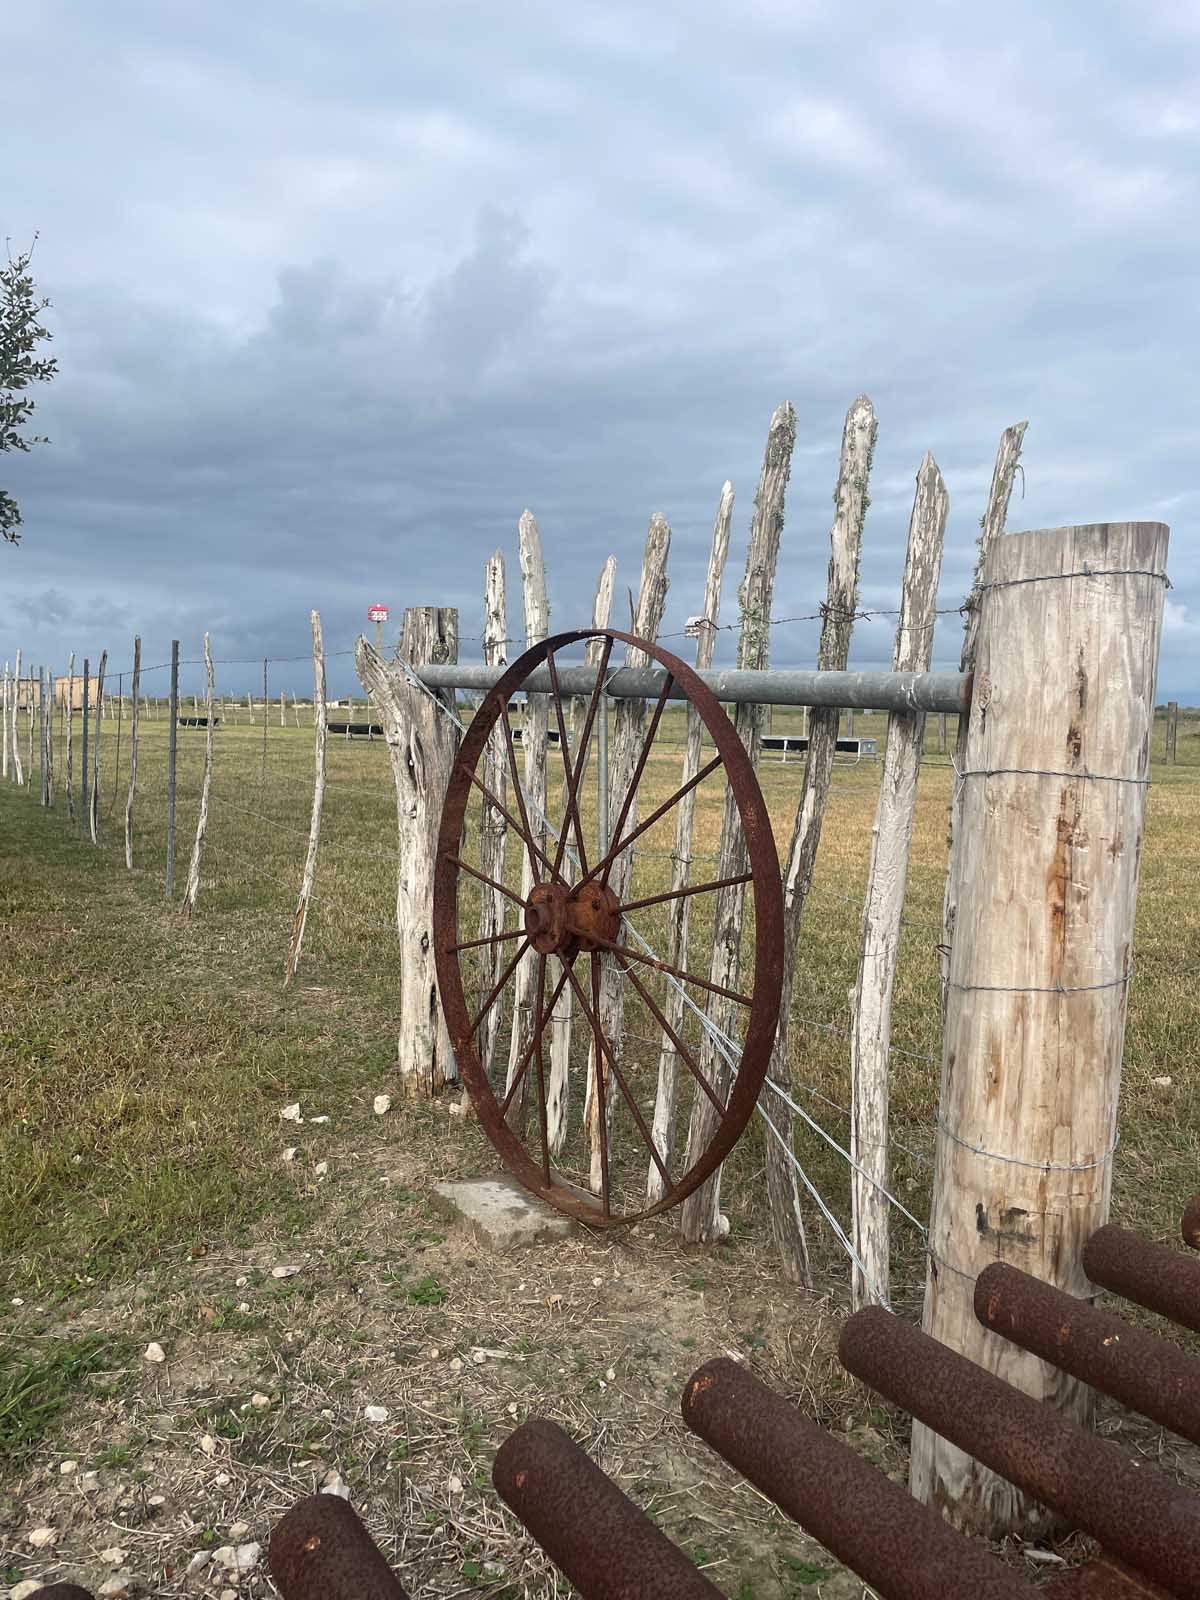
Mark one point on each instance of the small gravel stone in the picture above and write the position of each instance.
(284, 1272)
(41, 1538)
(209, 1445)
(154, 1353)
(198, 1562)
(375, 1413)
(239, 1530)
(68, 1467)
(292, 1113)
(260, 1402)
(114, 1556)
(382, 1104)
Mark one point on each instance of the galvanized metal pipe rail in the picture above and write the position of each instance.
(850, 691)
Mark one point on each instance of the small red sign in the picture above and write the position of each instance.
(378, 613)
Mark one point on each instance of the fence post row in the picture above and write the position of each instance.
(1172, 727)
(1053, 793)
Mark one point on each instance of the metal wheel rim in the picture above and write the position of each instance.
(765, 885)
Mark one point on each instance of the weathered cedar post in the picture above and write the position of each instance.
(172, 759)
(1053, 795)
(1172, 727)
(421, 741)
(320, 715)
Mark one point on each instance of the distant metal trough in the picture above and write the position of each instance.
(796, 744)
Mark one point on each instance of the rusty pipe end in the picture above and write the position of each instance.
(321, 1550)
(62, 1591)
(1190, 1226)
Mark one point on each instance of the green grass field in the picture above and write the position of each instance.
(144, 1063)
(137, 1048)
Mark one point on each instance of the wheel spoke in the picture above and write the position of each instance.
(526, 832)
(523, 1064)
(539, 1024)
(465, 866)
(680, 1048)
(601, 1088)
(627, 803)
(500, 982)
(584, 737)
(570, 803)
(681, 894)
(495, 938)
(534, 848)
(654, 817)
(603, 1045)
(674, 972)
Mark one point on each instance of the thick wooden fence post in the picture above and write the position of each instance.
(1172, 727)
(421, 741)
(1053, 800)
(83, 777)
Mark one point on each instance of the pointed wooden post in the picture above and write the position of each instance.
(679, 911)
(1004, 475)
(193, 878)
(421, 741)
(701, 1219)
(1052, 814)
(135, 698)
(94, 799)
(493, 834)
(533, 756)
(296, 942)
(626, 746)
(887, 879)
(850, 498)
(558, 1085)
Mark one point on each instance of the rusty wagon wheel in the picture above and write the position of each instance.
(537, 928)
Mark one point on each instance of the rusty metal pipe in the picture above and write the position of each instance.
(1154, 1276)
(902, 1549)
(1134, 1366)
(590, 1530)
(62, 1591)
(1101, 1579)
(1190, 1225)
(1140, 1516)
(321, 1550)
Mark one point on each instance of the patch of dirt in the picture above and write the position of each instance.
(262, 1396)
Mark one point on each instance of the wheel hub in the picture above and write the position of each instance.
(563, 921)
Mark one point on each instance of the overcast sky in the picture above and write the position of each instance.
(340, 287)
